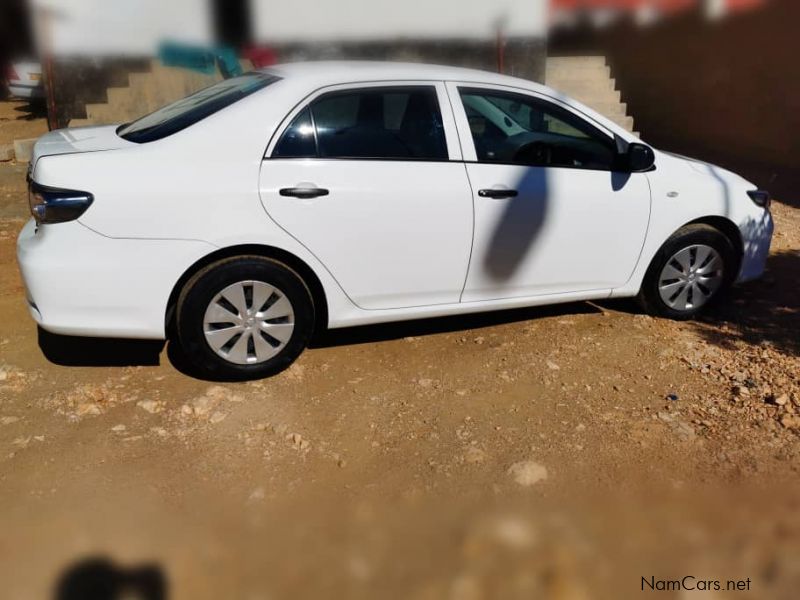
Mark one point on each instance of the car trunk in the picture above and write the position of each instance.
(74, 141)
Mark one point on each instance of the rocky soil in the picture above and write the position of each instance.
(561, 453)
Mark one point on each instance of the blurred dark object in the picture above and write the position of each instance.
(723, 91)
(233, 22)
(99, 579)
(16, 34)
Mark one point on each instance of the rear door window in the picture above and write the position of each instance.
(371, 123)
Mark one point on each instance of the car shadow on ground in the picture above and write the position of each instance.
(100, 579)
(765, 311)
(383, 332)
(72, 351)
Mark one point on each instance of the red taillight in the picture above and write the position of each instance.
(11, 73)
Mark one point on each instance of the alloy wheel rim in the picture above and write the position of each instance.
(691, 277)
(248, 322)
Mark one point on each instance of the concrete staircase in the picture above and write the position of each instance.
(588, 80)
(145, 93)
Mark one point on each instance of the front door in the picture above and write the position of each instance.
(552, 216)
(363, 178)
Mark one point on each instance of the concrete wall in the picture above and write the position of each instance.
(727, 92)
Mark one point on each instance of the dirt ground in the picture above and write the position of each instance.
(563, 453)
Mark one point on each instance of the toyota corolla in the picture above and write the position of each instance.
(256, 211)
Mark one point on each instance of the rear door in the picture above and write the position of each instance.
(368, 177)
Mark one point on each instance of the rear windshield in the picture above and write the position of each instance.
(192, 109)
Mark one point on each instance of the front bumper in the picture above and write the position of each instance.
(79, 282)
(756, 238)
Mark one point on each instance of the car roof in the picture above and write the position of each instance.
(334, 72)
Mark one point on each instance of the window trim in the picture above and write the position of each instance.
(469, 153)
(449, 127)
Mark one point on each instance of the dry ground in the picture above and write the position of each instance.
(558, 453)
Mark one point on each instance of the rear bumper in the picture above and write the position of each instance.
(81, 283)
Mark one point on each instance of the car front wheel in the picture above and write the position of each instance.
(244, 318)
(690, 270)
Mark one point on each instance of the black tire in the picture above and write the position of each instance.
(201, 289)
(650, 298)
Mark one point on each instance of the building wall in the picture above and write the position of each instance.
(95, 43)
(726, 91)
(102, 28)
(278, 22)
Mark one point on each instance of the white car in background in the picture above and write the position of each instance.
(243, 217)
(24, 80)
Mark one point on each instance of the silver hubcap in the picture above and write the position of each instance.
(691, 277)
(248, 322)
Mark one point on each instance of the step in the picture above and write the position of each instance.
(592, 85)
(588, 97)
(81, 123)
(570, 73)
(577, 61)
(624, 122)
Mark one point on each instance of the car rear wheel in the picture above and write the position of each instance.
(690, 270)
(244, 318)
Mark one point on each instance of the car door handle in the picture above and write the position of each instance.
(303, 192)
(498, 193)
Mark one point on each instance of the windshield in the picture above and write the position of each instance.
(192, 109)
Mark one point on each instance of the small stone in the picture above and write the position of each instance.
(782, 400)
(3, 375)
(257, 495)
(118, 428)
(151, 406)
(88, 408)
(528, 472)
(474, 455)
(672, 397)
(217, 417)
(6, 152)
(8, 420)
(160, 431)
(552, 366)
(741, 391)
(665, 416)
(186, 410)
(202, 405)
(685, 431)
(425, 382)
(790, 421)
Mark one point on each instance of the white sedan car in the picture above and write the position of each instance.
(244, 217)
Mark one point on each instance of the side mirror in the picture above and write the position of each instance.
(638, 158)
